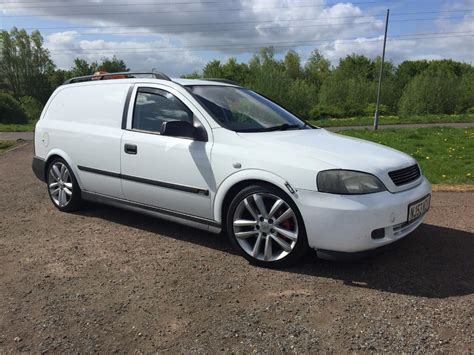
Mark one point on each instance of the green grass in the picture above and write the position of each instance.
(10, 127)
(446, 155)
(389, 120)
(4, 145)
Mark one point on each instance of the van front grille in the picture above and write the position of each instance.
(405, 176)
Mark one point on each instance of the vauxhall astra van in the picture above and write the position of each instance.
(217, 156)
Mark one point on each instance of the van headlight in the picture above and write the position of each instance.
(348, 182)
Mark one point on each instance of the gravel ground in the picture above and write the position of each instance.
(106, 280)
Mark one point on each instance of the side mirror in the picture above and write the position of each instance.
(178, 129)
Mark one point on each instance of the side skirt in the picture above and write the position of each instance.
(173, 216)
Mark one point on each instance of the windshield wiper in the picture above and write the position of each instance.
(282, 127)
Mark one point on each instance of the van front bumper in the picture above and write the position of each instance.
(345, 223)
(39, 165)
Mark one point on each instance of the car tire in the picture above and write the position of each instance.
(264, 225)
(63, 189)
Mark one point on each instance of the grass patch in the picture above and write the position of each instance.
(11, 127)
(446, 155)
(393, 120)
(4, 145)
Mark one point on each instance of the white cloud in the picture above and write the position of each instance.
(173, 33)
(457, 46)
(65, 46)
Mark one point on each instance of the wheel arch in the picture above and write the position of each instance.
(58, 153)
(236, 182)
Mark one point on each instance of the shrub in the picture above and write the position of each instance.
(322, 111)
(31, 107)
(11, 110)
(370, 110)
(432, 92)
(470, 110)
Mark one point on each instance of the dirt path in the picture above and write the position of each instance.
(108, 280)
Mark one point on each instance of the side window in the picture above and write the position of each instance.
(154, 106)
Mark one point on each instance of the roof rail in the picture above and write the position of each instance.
(225, 81)
(126, 75)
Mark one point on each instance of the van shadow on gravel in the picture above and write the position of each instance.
(433, 262)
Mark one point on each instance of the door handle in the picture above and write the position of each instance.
(130, 149)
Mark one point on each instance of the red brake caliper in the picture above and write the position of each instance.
(286, 224)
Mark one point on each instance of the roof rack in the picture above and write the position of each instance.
(225, 81)
(126, 75)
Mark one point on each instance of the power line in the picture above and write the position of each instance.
(194, 24)
(264, 44)
(171, 2)
(66, 5)
(266, 28)
(196, 11)
(207, 49)
(167, 12)
(314, 19)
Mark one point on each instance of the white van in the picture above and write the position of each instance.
(220, 157)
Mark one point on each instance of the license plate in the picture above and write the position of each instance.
(418, 208)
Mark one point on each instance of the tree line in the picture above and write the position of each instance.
(314, 89)
(28, 75)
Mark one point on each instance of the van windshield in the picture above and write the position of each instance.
(243, 110)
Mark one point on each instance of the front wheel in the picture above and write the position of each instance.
(264, 224)
(63, 188)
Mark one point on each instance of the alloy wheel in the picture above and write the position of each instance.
(60, 184)
(265, 226)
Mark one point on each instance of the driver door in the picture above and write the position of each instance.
(170, 173)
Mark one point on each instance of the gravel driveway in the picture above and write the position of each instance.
(108, 280)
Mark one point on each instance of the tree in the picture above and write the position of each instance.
(389, 93)
(112, 65)
(317, 68)
(31, 107)
(58, 77)
(194, 75)
(82, 68)
(25, 64)
(349, 89)
(234, 71)
(466, 92)
(430, 93)
(407, 70)
(266, 55)
(357, 66)
(292, 63)
(11, 110)
(213, 69)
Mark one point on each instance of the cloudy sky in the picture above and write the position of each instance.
(179, 36)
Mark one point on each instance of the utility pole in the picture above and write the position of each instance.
(376, 116)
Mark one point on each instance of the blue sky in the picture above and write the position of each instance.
(179, 36)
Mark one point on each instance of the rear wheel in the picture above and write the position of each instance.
(62, 186)
(265, 225)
